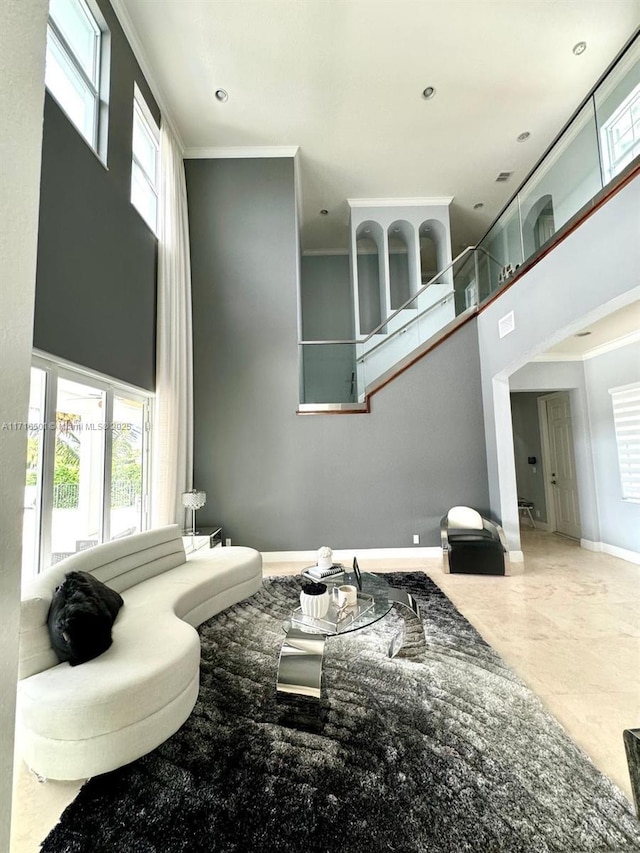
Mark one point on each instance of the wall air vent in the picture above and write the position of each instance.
(503, 177)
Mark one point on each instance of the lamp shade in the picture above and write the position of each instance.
(194, 499)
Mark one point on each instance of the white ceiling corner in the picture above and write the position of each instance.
(343, 82)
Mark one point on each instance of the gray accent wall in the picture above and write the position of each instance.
(96, 272)
(276, 480)
(327, 314)
(327, 299)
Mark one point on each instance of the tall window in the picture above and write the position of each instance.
(87, 472)
(620, 135)
(73, 62)
(626, 418)
(145, 162)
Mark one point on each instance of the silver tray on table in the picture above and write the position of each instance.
(336, 619)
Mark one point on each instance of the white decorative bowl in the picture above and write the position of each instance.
(325, 562)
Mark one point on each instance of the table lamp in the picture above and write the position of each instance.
(193, 500)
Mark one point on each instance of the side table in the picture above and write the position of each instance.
(214, 534)
(205, 536)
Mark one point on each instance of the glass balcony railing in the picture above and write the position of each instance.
(600, 142)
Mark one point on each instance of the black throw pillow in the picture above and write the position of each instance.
(81, 616)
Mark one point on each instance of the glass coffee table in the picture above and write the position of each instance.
(302, 653)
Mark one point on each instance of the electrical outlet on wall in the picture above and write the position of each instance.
(227, 542)
(416, 539)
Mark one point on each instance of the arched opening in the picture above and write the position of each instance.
(369, 267)
(538, 225)
(544, 228)
(401, 262)
(432, 249)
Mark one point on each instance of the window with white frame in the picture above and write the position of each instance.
(620, 135)
(73, 63)
(626, 418)
(87, 467)
(145, 162)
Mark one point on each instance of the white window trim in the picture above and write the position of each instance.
(55, 369)
(625, 401)
(147, 120)
(611, 166)
(96, 85)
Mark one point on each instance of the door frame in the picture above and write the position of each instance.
(549, 494)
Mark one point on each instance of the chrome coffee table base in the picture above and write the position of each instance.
(300, 665)
(404, 599)
(302, 653)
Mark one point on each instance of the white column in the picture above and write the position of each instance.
(22, 50)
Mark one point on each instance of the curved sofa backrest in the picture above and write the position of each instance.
(120, 564)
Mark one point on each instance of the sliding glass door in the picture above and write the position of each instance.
(128, 449)
(78, 472)
(87, 474)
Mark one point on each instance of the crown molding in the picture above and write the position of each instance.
(433, 201)
(617, 343)
(241, 152)
(139, 52)
(557, 356)
(602, 349)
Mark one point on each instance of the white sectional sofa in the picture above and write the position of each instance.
(77, 722)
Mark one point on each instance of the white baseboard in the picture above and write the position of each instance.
(346, 556)
(613, 550)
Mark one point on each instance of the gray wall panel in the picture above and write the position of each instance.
(96, 274)
(327, 300)
(277, 480)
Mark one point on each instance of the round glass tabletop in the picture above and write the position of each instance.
(373, 603)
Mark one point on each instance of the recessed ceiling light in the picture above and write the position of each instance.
(478, 206)
(579, 48)
(524, 136)
(324, 212)
(582, 334)
(428, 93)
(222, 95)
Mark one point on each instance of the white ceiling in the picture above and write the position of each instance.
(343, 80)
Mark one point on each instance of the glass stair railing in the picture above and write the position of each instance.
(598, 151)
(340, 374)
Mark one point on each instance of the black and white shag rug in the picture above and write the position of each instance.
(439, 750)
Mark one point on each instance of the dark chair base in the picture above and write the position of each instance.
(477, 551)
(475, 561)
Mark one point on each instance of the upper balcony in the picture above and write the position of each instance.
(596, 153)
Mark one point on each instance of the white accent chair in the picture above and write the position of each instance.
(472, 544)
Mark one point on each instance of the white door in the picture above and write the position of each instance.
(561, 469)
